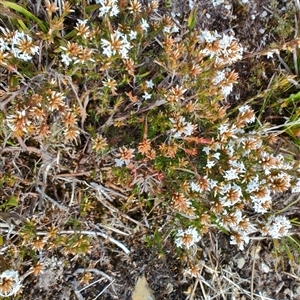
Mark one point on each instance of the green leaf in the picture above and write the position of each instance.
(12, 201)
(22, 24)
(287, 250)
(92, 8)
(140, 76)
(192, 19)
(25, 12)
(14, 81)
(70, 34)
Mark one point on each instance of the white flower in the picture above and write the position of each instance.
(124, 156)
(217, 2)
(81, 22)
(227, 89)
(149, 84)
(239, 165)
(66, 59)
(206, 149)
(9, 277)
(239, 239)
(19, 39)
(217, 155)
(270, 54)
(188, 129)
(109, 7)
(278, 226)
(296, 188)
(191, 4)
(195, 187)
(262, 204)
(146, 96)
(253, 185)
(119, 162)
(132, 35)
(208, 37)
(223, 128)
(226, 40)
(210, 163)
(181, 127)
(231, 174)
(220, 77)
(144, 24)
(228, 191)
(3, 45)
(116, 38)
(187, 238)
(213, 183)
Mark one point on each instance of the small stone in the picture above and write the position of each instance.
(240, 262)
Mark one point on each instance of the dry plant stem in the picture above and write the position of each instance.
(292, 275)
(91, 284)
(252, 273)
(243, 290)
(102, 192)
(288, 206)
(91, 270)
(212, 264)
(216, 276)
(202, 289)
(62, 175)
(284, 64)
(113, 229)
(191, 297)
(43, 195)
(93, 233)
(77, 293)
(8, 99)
(104, 290)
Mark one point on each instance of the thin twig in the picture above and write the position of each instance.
(292, 275)
(194, 289)
(50, 199)
(113, 229)
(215, 267)
(104, 290)
(77, 293)
(101, 191)
(202, 289)
(91, 284)
(92, 270)
(243, 290)
(253, 269)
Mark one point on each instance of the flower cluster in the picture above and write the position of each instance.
(76, 53)
(234, 180)
(37, 113)
(125, 156)
(187, 238)
(224, 48)
(9, 283)
(151, 99)
(118, 43)
(277, 226)
(108, 7)
(17, 44)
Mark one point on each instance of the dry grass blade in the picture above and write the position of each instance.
(101, 191)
